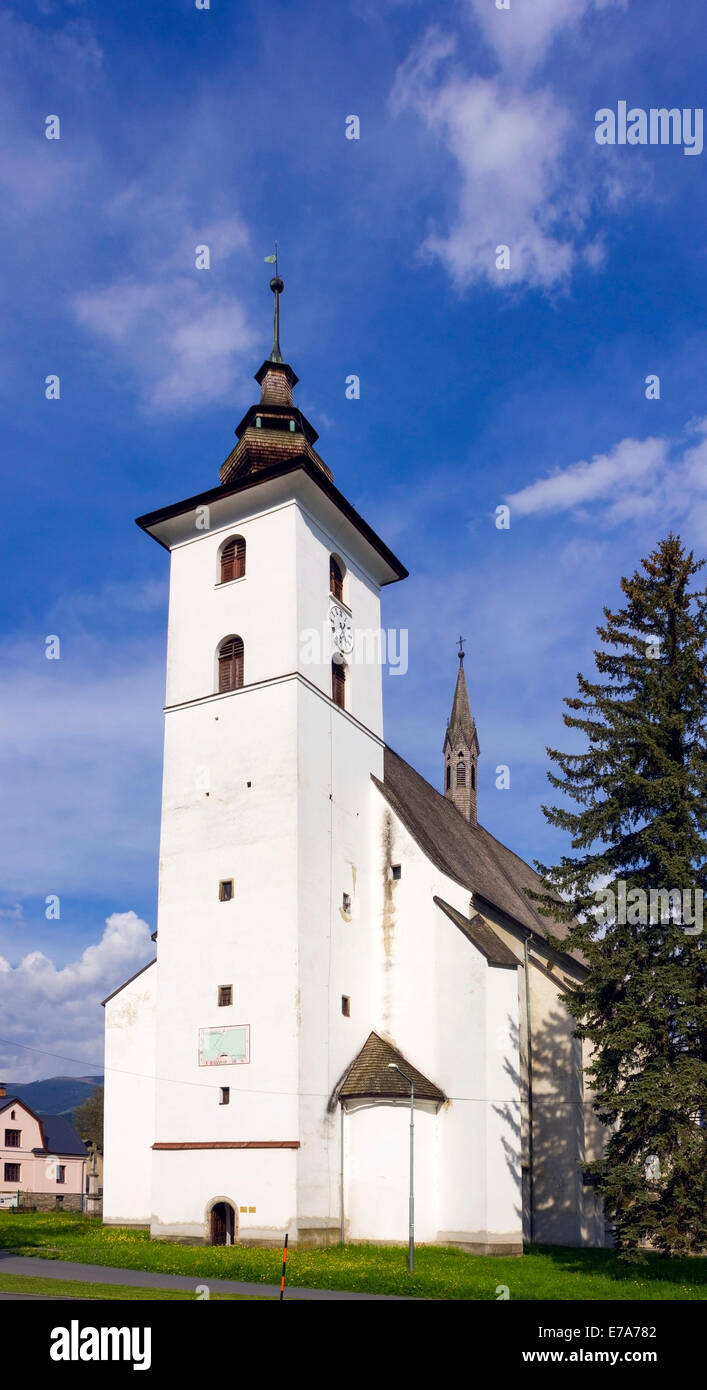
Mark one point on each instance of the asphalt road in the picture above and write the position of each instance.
(147, 1279)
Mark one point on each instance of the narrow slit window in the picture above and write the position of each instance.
(346, 902)
(225, 996)
(396, 871)
(225, 890)
(336, 579)
(449, 775)
(233, 559)
(224, 1095)
(338, 683)
(346, 1006)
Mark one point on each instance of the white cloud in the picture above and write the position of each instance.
(59, 1009)
(654, 479)
(628, 463)
(508, 145)
(186, 340)
(522, 35)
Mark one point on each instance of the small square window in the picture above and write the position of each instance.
(12, 1172)
(396, 871)
(346, 902)
(224, 1095)
(225, 890)
(225, 996)
(346, 1006)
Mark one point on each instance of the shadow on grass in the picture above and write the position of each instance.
(607, 1264)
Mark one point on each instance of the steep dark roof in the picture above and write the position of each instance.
(466, 853)
(61, 1136)
(370, 1076)
(482, 935)
(461, 728)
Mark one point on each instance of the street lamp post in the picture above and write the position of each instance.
(393, 1066)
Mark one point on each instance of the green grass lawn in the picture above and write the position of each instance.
(545, 1272)
(74, 1288)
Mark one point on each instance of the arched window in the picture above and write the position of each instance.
(233, 559)
(336, 578)
(230, 664)
(338, 683)
(449, 775)
(461, 773)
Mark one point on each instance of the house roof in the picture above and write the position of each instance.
(58, 1134)
(61, 1137)
(370, 1075)
(482, 935)
(465, 852)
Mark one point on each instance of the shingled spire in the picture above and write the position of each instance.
(274, 430)
(461, 749)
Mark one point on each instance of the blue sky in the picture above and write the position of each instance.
(226, 126)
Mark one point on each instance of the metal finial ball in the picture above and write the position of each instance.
(277, 285)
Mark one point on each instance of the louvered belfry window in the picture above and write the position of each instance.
(338, 683)
(336, 579)
(230, 664)
(233, 559)
(461, 774)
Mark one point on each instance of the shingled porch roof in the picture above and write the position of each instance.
(370, 1076)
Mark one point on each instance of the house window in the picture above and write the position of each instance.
(225, 996)
(12, 1172)
(461, 774)
(230, 664)
(61, 1172)
(336, 579)
(224, 1095)
(233, 559)
(396, 871)
(338, 683)
(449, 775)
(346, 1006)
(13, 1138)
(346, 902)
(225, 890)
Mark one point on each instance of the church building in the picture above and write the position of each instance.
(332, 930)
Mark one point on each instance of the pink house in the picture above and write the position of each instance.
(42, 1159)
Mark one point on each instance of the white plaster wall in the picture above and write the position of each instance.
(377, 1173)
(129, 1114)
(187, 1181)
(456, 1019)
(336, 759)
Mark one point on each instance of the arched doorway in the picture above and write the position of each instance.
(223, 1224)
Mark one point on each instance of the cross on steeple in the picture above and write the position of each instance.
(462, 640)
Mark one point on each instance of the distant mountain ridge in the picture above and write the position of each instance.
(57, 1095)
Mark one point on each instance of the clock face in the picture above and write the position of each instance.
(342, 631)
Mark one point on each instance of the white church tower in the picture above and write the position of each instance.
(270, 746)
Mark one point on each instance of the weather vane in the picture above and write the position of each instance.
(277, 286)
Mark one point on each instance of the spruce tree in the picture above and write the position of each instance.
(641, 788)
